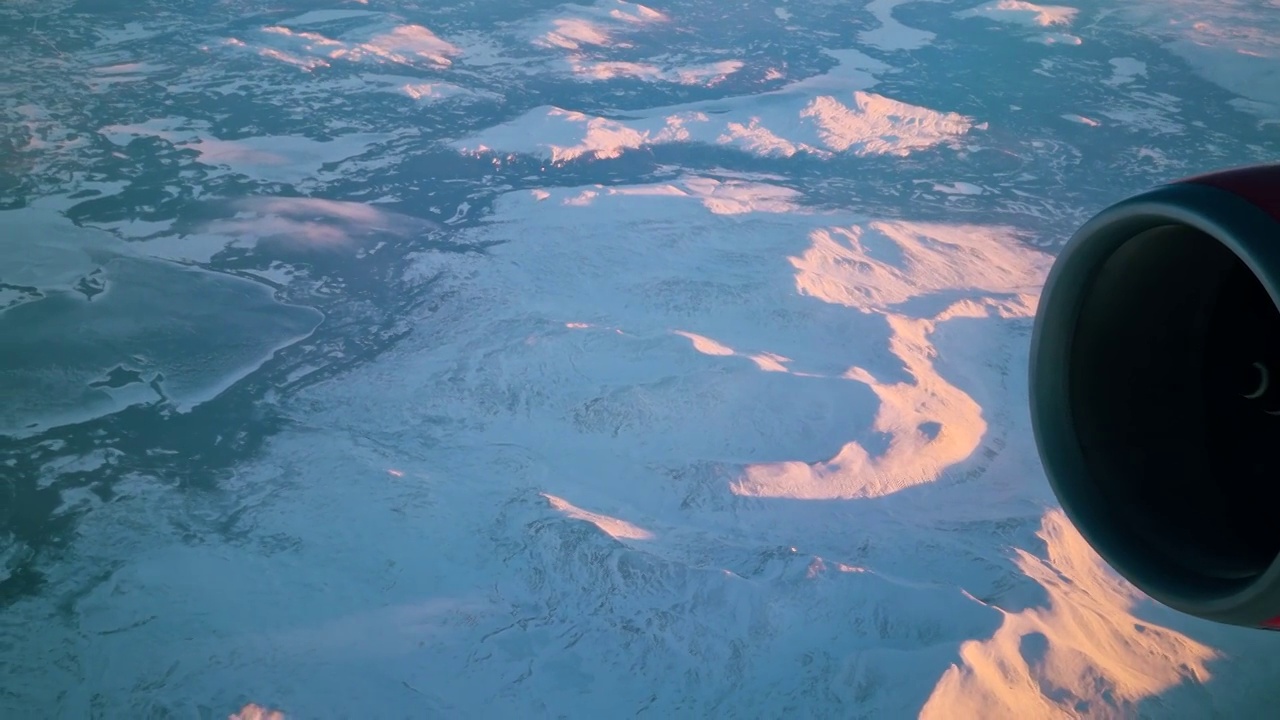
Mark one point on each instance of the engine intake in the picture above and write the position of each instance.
(1155, 391)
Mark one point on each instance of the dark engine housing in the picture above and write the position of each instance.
(1155, 391)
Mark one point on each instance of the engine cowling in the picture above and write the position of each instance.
(1155, 391)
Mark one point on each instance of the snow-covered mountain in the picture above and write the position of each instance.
(397, 360)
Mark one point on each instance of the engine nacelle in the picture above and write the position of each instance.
(1155, 391)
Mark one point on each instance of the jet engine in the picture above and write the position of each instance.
(1155, 391)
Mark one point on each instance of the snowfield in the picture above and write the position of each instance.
(609, 360)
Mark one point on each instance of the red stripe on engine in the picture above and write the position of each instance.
(1259, 184)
